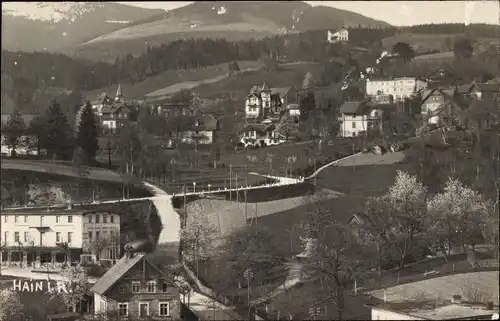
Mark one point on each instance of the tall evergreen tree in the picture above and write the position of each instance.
(86, 137)
(59, 137)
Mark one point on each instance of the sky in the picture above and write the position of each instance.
(398, 13)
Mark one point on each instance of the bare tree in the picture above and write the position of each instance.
(99, 245)
(376, 226)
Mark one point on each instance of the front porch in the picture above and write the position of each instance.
(39, 258)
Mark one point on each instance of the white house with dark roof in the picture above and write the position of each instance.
(260, 135)
(340, 35)
(357, 117)
(263, 101)
(136, 288)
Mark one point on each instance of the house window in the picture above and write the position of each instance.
(5, 219)
(122, 290)
(58, 237)
(164, 287)
(105, 218)
(97, 235)
(90, 237)
(15, 219)
(353, 134)
(6, 236)
(164, 308)
(111, 218)
(16, 237)
(90, 218)
(143, 309)
(97, 218)
(25, 219)
(123, 309)
(26, 237)
(70, 219)
(353, 124)
(70, 237)
(58, 218)
(136, 287)
(151, 286)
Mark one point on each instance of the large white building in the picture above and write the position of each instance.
(398, 88)
(341, 34)
(37, 236)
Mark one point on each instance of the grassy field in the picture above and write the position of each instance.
(240, 84)
(170, 78)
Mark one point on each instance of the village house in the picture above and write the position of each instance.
(136, 288)
(442, 105)
(265, 101)
(112, 114)
(37, 237)
(201, 130)
(359, 117)
(398, 88)
(340, 35)
(480, 91)
(260, 135)
(171, 109)
(27, 144)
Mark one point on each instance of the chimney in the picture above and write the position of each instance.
(457, 299)
(70, 205)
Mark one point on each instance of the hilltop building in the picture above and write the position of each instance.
(340, 35)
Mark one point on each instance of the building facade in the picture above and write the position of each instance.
(359, 117)
(35, 237)
(260, 135)
(398, 88)
(341, 34)
(267, 102)
(138, 289)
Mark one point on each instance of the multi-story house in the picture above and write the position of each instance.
(201, 130)
(482, 91)
(443, 105)
(138, 289)
(260, 135)
(55, 236)
(265, 101)
(341, 34)
(115, 116)
(398, 88)
(359, 117)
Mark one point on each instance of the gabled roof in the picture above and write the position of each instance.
(260, 128)
(256, 94)
(356, 107)
(487, 87)
(116, 272)
(265, 87)
(102, 99)
(448, 93)
(282, 91)
(113, 108)
(203, 123)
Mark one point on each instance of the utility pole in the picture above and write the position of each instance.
(246, 207)
(185, 207)
(237, 190)
(230, 180)
(108, 148)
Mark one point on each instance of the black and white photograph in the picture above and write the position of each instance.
(250, 160)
